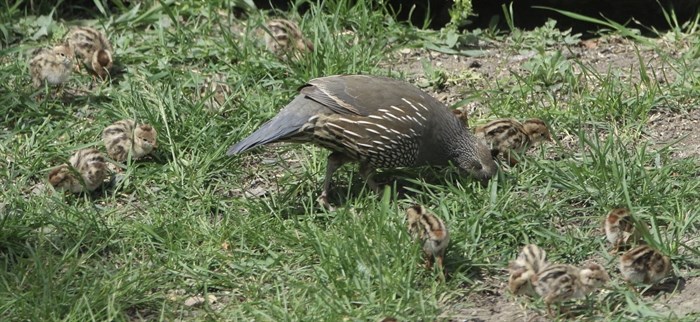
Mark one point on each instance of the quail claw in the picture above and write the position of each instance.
(323, 201)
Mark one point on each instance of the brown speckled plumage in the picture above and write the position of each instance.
(125, 136)
(93, 48)
(431, 231)
(88, 164)
(284, 36)
(52, 66)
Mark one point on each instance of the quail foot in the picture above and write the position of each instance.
(378, 122)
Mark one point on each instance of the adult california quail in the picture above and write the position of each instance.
(377, 121)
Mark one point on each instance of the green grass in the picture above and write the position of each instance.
(178, 225)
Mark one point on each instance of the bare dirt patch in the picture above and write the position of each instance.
(615, 55)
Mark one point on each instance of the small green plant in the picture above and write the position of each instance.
(436, 78)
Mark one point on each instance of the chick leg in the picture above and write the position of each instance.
(429, 262)
(438, 260)
(335, 161)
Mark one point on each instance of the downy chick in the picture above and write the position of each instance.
(526, 266)
(593, 277)
(215, 92)
(63, 178)
(431, 231)
(506, 136)
(51, 66)
(644, 265)
(89, 164)
(285, 36)
(558, 283)
(124, 137)
(619, 228)
(93, 48)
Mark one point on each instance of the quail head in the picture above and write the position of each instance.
(51, 66)
(593, 276)
(644, 265)
(508, 136)
(377, 121)
(431, 231)
(285, 37)
(93, 49)
(619, 228)
(125, 136)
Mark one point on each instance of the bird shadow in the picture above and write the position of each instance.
(669, 285)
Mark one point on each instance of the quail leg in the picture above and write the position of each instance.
(335, 161)
(367, 173)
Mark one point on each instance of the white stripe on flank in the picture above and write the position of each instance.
(423, 106)
(352, 133)
(346, 120)
(335, 126)
(393, 116)
(409, 103)
(382, 127)
(397, 108)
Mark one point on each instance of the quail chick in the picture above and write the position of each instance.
(593, 276)
(557, 283)
(506, 136)
(51, 66)
(93, 49)
(124, 137)
(644, 265)
(526, 266)
(63, 178)
(560, 282)
(214, 91)
(86, 164)
(619, 228)
(431, 231)
(284, 37)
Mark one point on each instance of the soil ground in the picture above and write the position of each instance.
(603, 55)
